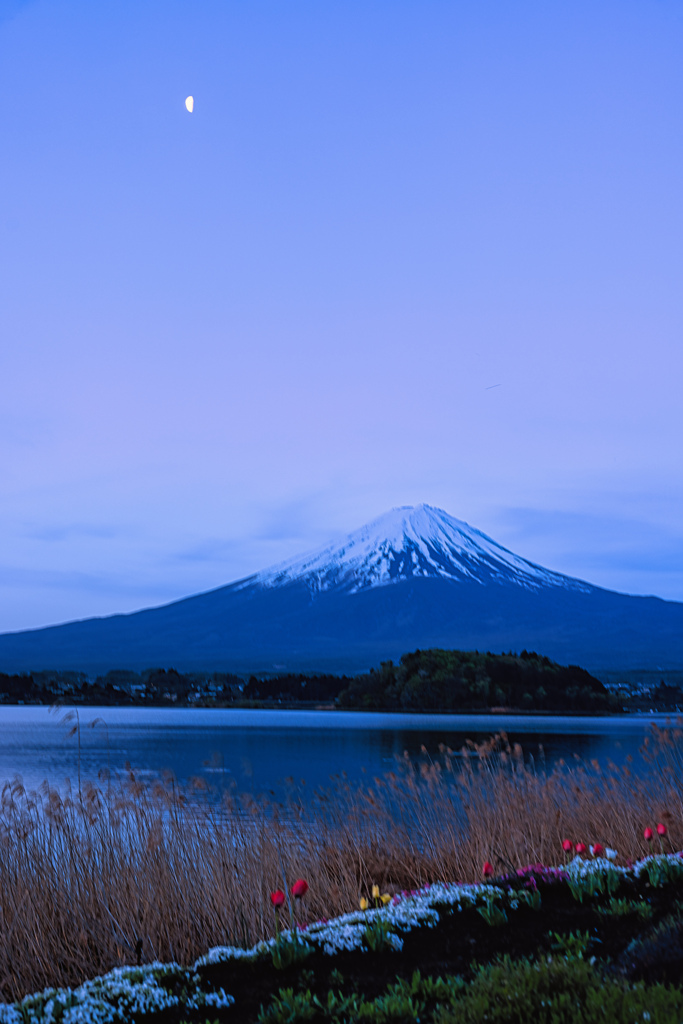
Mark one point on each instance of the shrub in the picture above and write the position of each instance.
(559, 990)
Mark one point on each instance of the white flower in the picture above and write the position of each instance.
(610, 854)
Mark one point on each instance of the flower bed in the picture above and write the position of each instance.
(627, 915)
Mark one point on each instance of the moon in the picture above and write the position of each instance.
(189, 104)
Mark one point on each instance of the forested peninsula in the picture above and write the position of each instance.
(438, 680)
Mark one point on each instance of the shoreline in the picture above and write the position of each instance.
(498, 712)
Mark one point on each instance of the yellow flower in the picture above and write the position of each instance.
(386, 898)
(375, 892)
(364, 903)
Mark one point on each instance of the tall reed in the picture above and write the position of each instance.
(104, 875)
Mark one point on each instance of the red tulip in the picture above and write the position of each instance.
(487, 869)
(567, 845)
(581, 847)
(597, 849)
(648, 834)
(661, 829)
(277, 898)
(300, 888)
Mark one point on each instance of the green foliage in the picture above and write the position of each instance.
(612, 880)
(411, 1000)
(338, 1007)
(493, 914)
(288, 1007)
(286, 952)
(586, 885)
(627, 908)
(556, 990)
(450, 680)
(572, 946)
(377, 934)
(531, 897)
(661, 871)
(402, 1001)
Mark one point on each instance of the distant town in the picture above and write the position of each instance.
(433, 680)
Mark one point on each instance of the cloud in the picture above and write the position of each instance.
(619, 552)
(213, 549)
(70, 579)
(73, 531)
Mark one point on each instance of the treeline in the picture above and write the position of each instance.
(431, 680)
(324, 689)
(38, 687)
(121, 687)
(437, 680)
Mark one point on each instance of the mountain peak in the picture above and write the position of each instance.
(408, 543)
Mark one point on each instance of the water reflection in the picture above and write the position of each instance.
(258, 750)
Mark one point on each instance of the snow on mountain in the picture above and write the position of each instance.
(407, 543)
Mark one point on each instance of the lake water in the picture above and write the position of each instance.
(259, 749)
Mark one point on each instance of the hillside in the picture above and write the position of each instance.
(414, 578)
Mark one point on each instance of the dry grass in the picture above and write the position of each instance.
(94, 878)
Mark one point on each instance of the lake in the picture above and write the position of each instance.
(259, 749)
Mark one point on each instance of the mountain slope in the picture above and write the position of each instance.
(414, 578)
(408, 543)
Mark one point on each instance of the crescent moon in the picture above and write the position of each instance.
(189, 103)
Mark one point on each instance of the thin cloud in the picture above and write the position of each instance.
(73, 531)
(209, 550)
(620, 553)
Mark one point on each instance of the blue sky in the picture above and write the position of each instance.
(229, 336)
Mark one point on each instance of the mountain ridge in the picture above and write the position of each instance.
(413, 578)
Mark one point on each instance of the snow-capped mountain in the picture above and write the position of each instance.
(413, 578)
(410, 542)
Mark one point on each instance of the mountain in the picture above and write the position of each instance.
(411, 543)
(413, 578)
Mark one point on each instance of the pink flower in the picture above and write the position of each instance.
(487, 869)
(300, 888)
(648, 834)
(567, 845)
(277, 898)
(581, 847)
(661, 829)
(597, 849)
